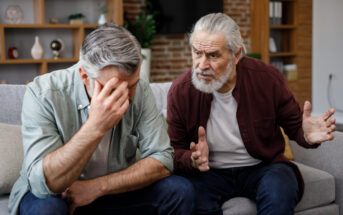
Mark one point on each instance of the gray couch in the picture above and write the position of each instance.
(320, 167)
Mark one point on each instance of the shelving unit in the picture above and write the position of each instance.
(75, 33)
(294, 40)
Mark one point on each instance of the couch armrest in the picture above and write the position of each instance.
(328, 157)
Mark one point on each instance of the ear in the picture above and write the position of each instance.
(83, 75)
(238, 55)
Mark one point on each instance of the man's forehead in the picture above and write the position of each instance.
(203, 41)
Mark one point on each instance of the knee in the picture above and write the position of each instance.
(179, 188)
(52, 205)
(279, 185)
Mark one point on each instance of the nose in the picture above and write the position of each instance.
(203, 63)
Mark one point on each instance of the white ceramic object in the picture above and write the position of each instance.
(102, 19)
(145, 66)
(37, 51)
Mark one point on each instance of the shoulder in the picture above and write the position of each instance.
(54, 82)
(259, 71)
(182, 84)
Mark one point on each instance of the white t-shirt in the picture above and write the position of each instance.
(97, 164)
(226, 147)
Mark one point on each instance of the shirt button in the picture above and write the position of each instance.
(80, 106)
(82, 175)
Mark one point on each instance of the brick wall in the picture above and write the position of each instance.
(171, 55)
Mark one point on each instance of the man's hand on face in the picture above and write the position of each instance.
(318, 129)
(81, 193)
(199, 156)
(108, 104)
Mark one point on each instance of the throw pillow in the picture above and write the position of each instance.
(11, 156)
(288, 151)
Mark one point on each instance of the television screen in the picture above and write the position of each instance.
(179, 16)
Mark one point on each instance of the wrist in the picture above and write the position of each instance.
(92, 130)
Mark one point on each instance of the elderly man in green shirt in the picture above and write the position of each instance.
(81, 129)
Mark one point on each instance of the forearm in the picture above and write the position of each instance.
(141, 174)
(63, 166)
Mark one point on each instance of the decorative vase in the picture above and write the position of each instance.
(145, 66)
(37, 51)
(102, 19)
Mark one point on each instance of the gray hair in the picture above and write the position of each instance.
(221, 23)
(110, 45)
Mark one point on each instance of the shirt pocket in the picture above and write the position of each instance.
(265, 128)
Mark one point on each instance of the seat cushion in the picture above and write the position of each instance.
(4, 204)
(319, 191)
(11, 154)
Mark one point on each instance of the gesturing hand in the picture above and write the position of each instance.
(318, 129)
(199, 156)
(108, 104)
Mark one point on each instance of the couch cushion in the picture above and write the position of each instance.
(319, 191)
(11, 154)
(4, 204)
(11, 103)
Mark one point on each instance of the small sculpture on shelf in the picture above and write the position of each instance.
(14, 14)
(102, 18)
(37, 50)
(57, 47)
(76, 18)
(13, 52)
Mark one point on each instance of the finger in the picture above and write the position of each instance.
(124, 107)
(200, 162)
(328, 113)
(307, 109)
(97, 88)
(117, 93)
(195, 155)
(64, 195)
(204, 168)
(330, 122)
(332, 128)
(72, 208)
(109, 87)
(192, 147)
(201, 134)
(119, 98)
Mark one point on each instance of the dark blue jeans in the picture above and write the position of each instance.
(273, 186)
(170, 195)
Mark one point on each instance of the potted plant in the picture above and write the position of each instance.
(144, 29)
(102, 18)
(76, 18)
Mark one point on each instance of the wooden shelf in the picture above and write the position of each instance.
(280, 27)
(33, 61)
(76, 32)
(282, 54)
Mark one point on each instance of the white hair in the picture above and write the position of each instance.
(221, 23)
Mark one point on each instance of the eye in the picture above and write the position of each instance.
(197, 53)
(213, 55)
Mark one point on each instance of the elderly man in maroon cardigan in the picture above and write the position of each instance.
(242, 102)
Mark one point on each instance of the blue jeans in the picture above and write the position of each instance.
(274, 187)
(170, 195)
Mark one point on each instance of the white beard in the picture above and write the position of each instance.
(215, 84)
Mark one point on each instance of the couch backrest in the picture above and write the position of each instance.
(160, 91)
(11, 99)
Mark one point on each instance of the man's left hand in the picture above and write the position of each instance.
(81, 193)
(318, 129)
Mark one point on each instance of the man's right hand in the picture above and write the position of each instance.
(108, 104)
(199, 156)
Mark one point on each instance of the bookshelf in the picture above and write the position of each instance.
(292, 37)
(21, 35)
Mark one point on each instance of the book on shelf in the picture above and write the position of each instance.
(275, 13)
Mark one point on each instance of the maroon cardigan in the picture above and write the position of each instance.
(264, 104)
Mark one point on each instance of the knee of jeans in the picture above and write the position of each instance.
(51, 205)
(179, 187)
(279, 185)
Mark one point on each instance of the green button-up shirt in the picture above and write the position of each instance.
(56, 105)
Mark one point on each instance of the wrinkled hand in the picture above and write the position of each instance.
(81, 193)
(108, 104)
(199, 156)
(318, 129)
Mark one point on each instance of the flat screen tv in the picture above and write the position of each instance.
(179, 16)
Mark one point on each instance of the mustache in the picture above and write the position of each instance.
(206, 72)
